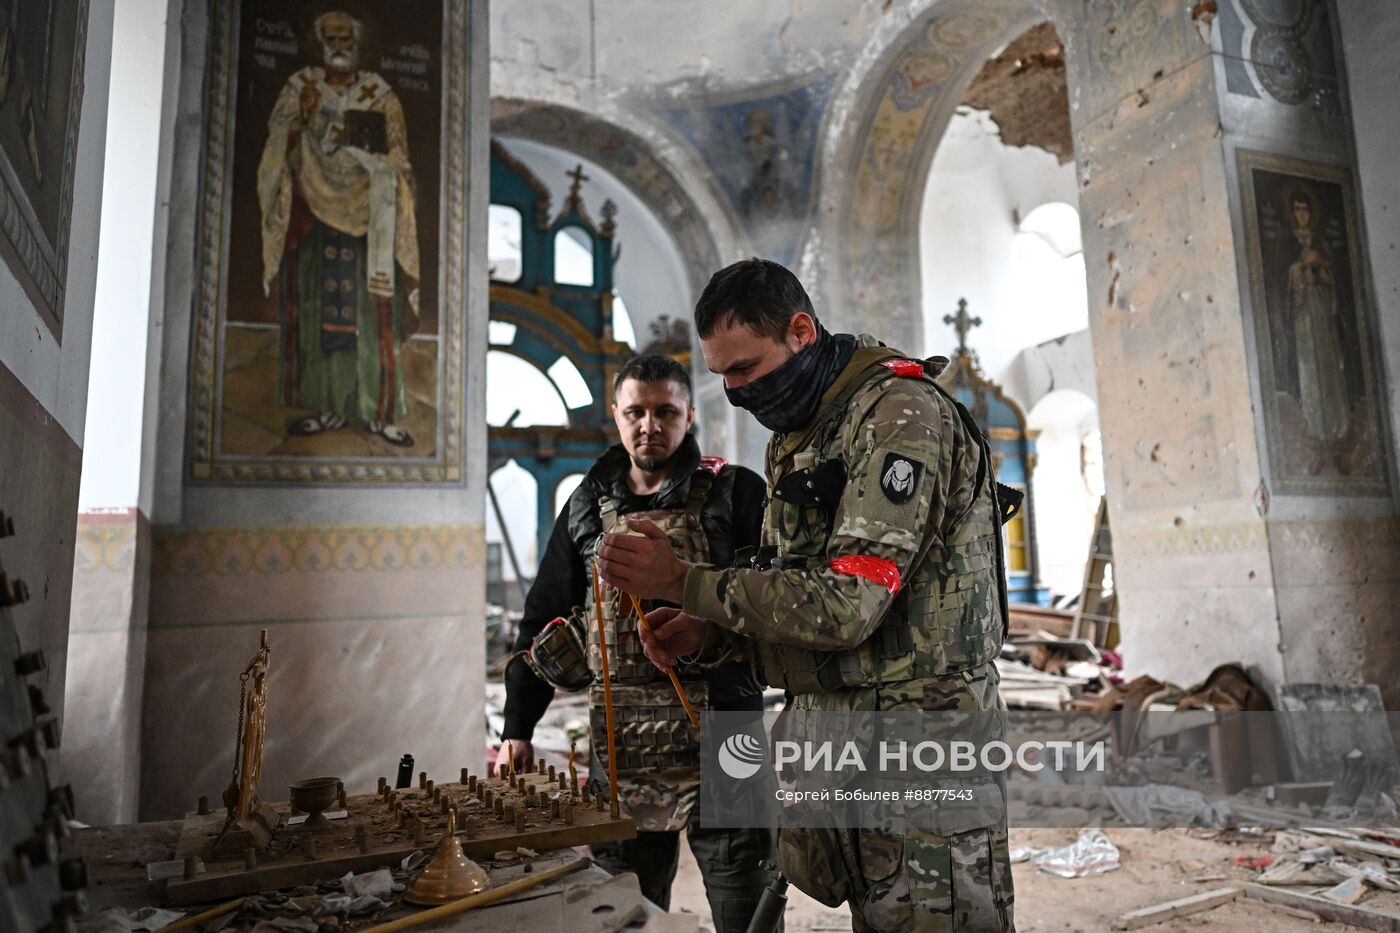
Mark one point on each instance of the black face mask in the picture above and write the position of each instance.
(786, 399)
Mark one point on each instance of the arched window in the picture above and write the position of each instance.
(623, 331)
(513, 385)
(503, 240)
(564, 374)
(513, 483)
(565, 489)
(1066, 501)
(573, 257)
(1057, 223)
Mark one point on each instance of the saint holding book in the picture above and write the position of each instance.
(339, 239)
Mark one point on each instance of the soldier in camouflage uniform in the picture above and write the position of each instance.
(706, 510)
(880, 585)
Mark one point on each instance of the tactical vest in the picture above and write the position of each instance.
(950, 614)
(658, 752)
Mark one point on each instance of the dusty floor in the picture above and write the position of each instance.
(1157, 865)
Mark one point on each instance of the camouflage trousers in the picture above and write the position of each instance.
(917, 880)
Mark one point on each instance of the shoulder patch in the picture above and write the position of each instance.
(713, 464)
(899, 477)
(909, 368)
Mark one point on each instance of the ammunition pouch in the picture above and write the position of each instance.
(653, 731)
(558, 656)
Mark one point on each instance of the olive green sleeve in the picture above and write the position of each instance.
(893, 447)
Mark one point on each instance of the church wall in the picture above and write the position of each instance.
(1333, 535)
(112, 560)
(107, 664)
(43, 395)
(1190, 549)
(1221, 556)
(1371, 33)
(372, 595)
(1225, 548)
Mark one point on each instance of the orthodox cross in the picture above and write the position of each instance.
(962, 323)
(579, 178)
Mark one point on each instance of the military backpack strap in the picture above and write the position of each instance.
(1004, 514)
(701, 482)
(608, 513)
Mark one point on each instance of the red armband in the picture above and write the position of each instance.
(912, 368)
(875, 569)
(713, 464)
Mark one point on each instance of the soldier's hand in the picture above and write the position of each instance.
(673, 635)
(523, 752)
(643, 564)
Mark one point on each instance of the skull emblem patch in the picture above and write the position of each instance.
(899, 478)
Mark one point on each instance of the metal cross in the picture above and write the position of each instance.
(962, 323)
(579, 178)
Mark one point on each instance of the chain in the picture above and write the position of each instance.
(238, 741)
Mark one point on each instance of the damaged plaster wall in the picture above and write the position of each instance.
(1191, 560)
(373, 596)
(1371, 34)
(44, 385)
(970, 247)
(1218, 562)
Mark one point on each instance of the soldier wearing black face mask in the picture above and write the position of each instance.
(784, 399)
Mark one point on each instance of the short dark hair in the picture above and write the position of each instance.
(758, 292)
(652, 367)
(1301, 197)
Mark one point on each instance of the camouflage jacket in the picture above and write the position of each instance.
(879, 586)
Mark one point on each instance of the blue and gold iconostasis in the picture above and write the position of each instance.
(1013, 456)
(550, 319)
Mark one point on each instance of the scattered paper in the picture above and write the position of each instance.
(1348, 892)
(351, 905)
(1091, 854)
(375, 884)
(153, 918)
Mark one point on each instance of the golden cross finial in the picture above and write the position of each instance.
(962, 323)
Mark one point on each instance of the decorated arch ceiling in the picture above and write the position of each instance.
(626, 156)
(859, 98)
(901, 113)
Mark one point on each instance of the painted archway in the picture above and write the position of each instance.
(900, 110)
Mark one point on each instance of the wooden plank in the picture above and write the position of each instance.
(284, 866)
(1364, 917)
(1172, 910)
(1365, 847)
(209, 887)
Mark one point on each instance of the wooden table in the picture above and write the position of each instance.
(117, 856)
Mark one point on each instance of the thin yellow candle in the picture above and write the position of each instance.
(607, 695)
